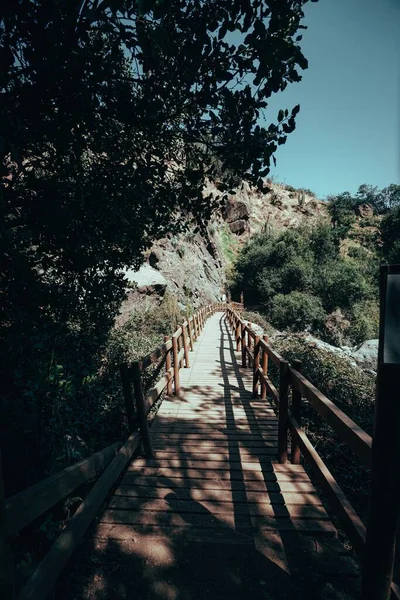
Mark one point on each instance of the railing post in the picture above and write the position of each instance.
(175, 365)
(190, 334)
(237, 336)
(196, 329)
(127, 392)
(283, 412)
(242, 298)
(185, 345)
(168, 366)
(180, 346)
(249, 340)
(141, 409)
(243, 333)
(264, 366)
(296, 412)
(256, 364)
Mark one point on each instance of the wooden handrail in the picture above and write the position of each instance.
(350, 520)
(30, 504)
(348, 431)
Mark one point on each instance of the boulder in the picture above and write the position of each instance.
(239, 226)
(147, 279)
(235, 210)
(367, 354)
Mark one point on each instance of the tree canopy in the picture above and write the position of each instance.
(113, 115)
(111, 112)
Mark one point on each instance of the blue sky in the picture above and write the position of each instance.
(348, 129)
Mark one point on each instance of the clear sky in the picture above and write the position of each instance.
(348, 129)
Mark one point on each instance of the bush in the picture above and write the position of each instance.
(260, 320)
(298, 311)
(308, 261)
(364, 321)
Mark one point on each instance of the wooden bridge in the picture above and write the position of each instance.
(217, 504)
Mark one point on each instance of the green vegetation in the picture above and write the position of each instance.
(301, 281)
(324, 279)
(229, 243)
(114, 116)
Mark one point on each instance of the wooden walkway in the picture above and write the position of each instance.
(213, 515)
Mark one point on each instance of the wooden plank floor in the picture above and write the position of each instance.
(214, 502)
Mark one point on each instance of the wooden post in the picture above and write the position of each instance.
(256, 364)
(264, 366)
(249, 339)
(196, 330)
(180, 346)
(379, 554)
(296, 412)
(190, 334)
(283, 412)
(242, 298)
(6, 568)
(176, 365)
(141, 409)
(185, 346)
(243, 333)
(127, 392)
(237, 336)
(168, 366)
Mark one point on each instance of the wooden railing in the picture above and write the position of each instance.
(106, 466)
(257, 354)
(172, 355)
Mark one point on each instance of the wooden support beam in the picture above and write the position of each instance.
(141, 409)
(264, 367)
(175, 365)
(185, 345)
(283, 412)
(256, 365)
(296, 412)
(190, 322)
(168, 367)
(127, 392)
(243, 334)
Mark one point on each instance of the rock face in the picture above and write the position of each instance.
(148, 280)
(236, 214)
(239, 226)
(365, 210)
(367, 354)
(235, 210)
(193, 267)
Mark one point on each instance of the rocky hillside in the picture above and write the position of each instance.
(248, 211)
(193, 268)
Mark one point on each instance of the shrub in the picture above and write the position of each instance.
(298, 311)
(364, 321)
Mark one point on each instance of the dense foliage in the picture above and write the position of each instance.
(324, 279)
(114, 113)
(300, 280)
